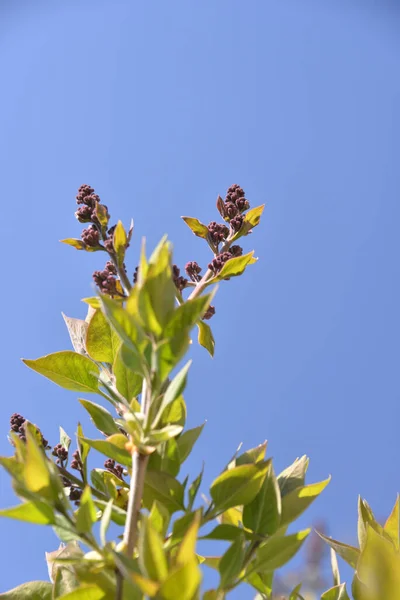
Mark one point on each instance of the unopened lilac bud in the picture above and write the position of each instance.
(193, 270)
(217, 232)
(83, 192)
(236, 250)
(135, 275)
(218, 262)
(237, 222)
(84, 214)
(210, 312)
(90, 236)
(234, 192)
(75, 494)
(16, 421)
(242, 204)
(231, 210)
(111, 268)
(179, 281)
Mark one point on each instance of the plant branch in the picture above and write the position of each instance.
(208, 274)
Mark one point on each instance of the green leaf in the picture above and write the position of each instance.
(231, 562)
(37, 472)
(174, 390)
(159, 518)
(205, 337)
(152, 559)
(163, 435)
(335, 568)
(77, 329)
(194, 488)
(350, 554)
(174, 413)
(295, 594)
(113, 447)
(100, 417)
(229, 533)
(263, 514)
(238, 486)
(392, 525)
(68, 369)
(102, 215)
(156, 297)
(65, 440)
(128, 383)
(86, 593)
(164, 488)
(187, 314)
(235, 266)
(94, 301)
(75, 243)
(336, 593)
(196, 226)
(119, 242)
(86, 514)
(254, 455)
(298, 500)
(293, 476)
(105, 521)
(35, 590)
(187, 440)
(170, 460)
(124, 324)
(102, 343)
(187, 549)
(261, 582)
(171, 352)
(30, 512)
(277, 550)
(251, 220)
(182, 582)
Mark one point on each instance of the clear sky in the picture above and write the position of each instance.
(161, 106)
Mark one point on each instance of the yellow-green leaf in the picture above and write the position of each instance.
(37, 472)
(350, 554)
(119, 242)
(102, 343)
(128, 383)
(34, 590)
(205, 337)
(112, 447)
(182, 582)
(238, 486)
(299, 499)
(263, 514)
(196, 226)
(86, 514)
(277, 550)
(30, 512)
(67, 369)
(152, 559)
(392, 525)
(235, 266)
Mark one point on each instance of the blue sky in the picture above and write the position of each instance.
(161, 106)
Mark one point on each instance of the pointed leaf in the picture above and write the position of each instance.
(231, 563)
(101, 418)
(350, 554)
(235, 266)
(102, 343)
(128, 383)
(298, 500)
(392, 525)
(335, 568)
(293, 476)
(187, 440)
(187, 314)
(238, 486)
(152, 559)
(113, 447)
(174, 390)
(336, 593)
(77, 329)
(254, 455)
(34, 590)
(263, 514)
(37, 472)
(205, 337)
(196, 226)
(105, 521)
(86, 514)
(68, 369)
(182, 582)
(164, 488)
(30, 512)
(86, 593)
(119, 242)
(277, 551)
(75, 243)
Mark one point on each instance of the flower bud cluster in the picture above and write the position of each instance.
(110, 465)
(106, 280)
(18, 423)
(61, 453)
(179, 280)
(76, 462)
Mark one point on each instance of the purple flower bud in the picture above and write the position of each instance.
(84, 214)
(242, 204)
(75, 494)
(236, 250)
(179, 281)
(217, 232)
(218, 262)
(231, 210)
(209, 313)
(83, 192)
(16, 420)
(237, 222)
(234, 192)
(193, 270)
(91, 236)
